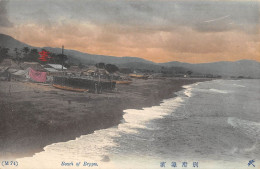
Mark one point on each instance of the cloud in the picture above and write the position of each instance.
(166, 15)
(161, 31)
(4, 21)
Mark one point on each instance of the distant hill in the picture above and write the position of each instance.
(244, 68)
(11, 43)
(86, 58)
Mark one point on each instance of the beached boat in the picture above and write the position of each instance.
(138, 76)
(123, 81)
(69, 88)
(82, 84)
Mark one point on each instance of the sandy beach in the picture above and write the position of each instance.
(35, 115)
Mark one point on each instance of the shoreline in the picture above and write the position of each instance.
(35, 115)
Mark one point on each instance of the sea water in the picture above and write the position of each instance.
(213, 124)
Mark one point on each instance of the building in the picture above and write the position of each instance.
(55, 66)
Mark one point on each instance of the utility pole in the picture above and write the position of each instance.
(62, 52)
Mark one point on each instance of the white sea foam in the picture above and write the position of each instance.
(219, 91)
(252, 129)
(238, 85)
(188, 91)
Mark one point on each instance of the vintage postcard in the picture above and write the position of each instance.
(129, 84)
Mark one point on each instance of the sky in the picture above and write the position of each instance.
(194, 31)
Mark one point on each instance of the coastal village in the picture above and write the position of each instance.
(80, 78)
(93, 78)
(59, 76)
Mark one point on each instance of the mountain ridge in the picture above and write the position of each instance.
(245, 67)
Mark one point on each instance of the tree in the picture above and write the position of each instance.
(67, 65)
(33, 56)
(17, 55)
(58, 58)
(101, 65)
(26, 50)
(3, 53)
(189, 72)
(53, 58)
(111, 68)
